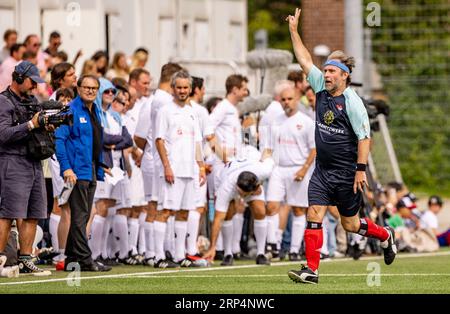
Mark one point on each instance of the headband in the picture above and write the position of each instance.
(340, 65)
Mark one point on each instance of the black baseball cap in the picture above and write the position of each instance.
(435, 200)
(28, 69)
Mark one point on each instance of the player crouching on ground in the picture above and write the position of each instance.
(241, 178)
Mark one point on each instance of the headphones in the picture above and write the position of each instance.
(20, 78)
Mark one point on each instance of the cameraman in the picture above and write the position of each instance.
(22, 190)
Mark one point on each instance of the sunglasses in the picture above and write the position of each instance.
(110, 91)
(120, 101)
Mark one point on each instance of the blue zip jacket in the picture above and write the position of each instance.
(74, 144)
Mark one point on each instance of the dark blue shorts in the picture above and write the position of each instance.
(334, 187)
(22, 188)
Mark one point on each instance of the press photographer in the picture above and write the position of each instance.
(22, 190)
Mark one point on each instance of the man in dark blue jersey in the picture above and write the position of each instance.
(342, 138)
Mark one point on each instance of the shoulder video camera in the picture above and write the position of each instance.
(50, 113)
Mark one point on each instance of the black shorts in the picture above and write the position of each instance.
(335, 187)
(22, 189)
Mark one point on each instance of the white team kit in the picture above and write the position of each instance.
(130, 120)
(292, 139)
(144, 130)
(228, 131)
(161, 99)
(179, 128)
(206, 130)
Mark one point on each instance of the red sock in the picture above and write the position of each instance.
(313, 245)
(372, 230)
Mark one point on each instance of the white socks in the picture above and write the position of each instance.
(159, 230)
(120, 231)
(133, 231)
(238, 222)
(95, 241)
(53, 229)
(219, 242)
(260, 230)
(141, 242)
(273, 223)
(105, 236)
(227, 234)
(149, 240)
(192, 232)
(169, 241)
(298, 231)
(180, 240)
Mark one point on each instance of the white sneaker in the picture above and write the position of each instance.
(10, 272)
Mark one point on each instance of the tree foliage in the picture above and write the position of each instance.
(411, 49)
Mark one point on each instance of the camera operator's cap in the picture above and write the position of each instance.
(435, 200)
(407, 202)
(28, 69)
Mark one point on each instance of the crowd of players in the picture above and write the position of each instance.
(179, 166)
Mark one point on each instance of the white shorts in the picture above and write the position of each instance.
(217, 172)
(157, 182)
(147, 169)
(137, 194)
(57, 180)
(125, 193)
(108, 191)
(200, 193)
(179, 195)
(283, 187)
(222, 203)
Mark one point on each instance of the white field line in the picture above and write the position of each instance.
(284, 275)
(156, 273)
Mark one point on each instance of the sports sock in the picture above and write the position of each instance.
(297, 233)
(159, 229)
(120, 231)
(260, 230)
(273, 223)
(192, 232)
(149, 240)
(105, 236)
(227, 234)
(180, 240)
(95, 241)
(141, 238)
(313, 244)
(369, 229)
(238, 222)
(133, 231)
(53, 229)
(169, 240)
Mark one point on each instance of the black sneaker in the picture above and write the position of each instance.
(227, 261)
(166, 263)
(186, 263)
(304, 275)
(219, 256)
(391, 249)
(356, 251)
(95, 267)
(27, 266)
(271, 248)
(261, 259)
(237, 256)
(324, 256)
(294, 257)
(128, 261)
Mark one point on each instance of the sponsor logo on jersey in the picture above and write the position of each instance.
(328, 117)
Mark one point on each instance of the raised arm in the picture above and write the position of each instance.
(301, 53)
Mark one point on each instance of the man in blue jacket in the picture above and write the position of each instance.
(79, 152)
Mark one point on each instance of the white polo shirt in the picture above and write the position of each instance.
(293, 139)
(143, 126)
(160, 100)
(428, 220)
(227, 126)
(178, 127)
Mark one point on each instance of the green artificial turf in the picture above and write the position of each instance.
(407, 275)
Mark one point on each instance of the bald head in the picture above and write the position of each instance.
(289, 100)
